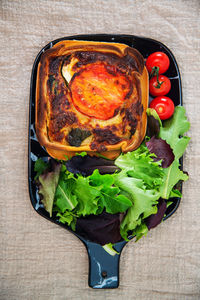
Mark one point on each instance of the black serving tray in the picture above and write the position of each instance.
(103, 267)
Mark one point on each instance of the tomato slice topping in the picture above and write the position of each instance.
(98, 90)
(164, 107)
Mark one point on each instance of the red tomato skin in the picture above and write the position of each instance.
(164, 107)
(158, 59)
(163, 89)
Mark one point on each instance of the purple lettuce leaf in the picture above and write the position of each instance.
(162, 150)
(86, 165)
(153, 126)
(101, 229)
(155, 219)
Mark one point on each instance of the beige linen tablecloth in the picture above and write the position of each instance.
(39, 260)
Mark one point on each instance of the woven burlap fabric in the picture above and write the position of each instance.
(41, 261)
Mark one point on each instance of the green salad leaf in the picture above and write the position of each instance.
(48, 184)
(173, 131)
(110, 197)
(88, 197)
(109, 248)
(140, 178)
(140, 164)
(68, 218)
(77, 196)
(64, 199)
(39, 167)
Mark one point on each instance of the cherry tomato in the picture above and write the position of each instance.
(159, 86)
(159, 60)
(164, 107)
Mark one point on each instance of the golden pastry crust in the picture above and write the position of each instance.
(91, 96)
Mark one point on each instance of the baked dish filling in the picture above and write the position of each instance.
(91, 96)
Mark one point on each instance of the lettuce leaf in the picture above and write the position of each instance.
(140, 178)
(111, 198)
(172, 175)
(102, 229)
(86, 165)
(88, 195)
(64, 199)
(162, 150)
(141, 165)
(173, 131)
(68, 218)
(39, 167)
(144, 203)
(153, 123)
(155, 219)
(48, 184)
(109, 248)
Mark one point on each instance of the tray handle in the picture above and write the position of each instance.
(103, 267)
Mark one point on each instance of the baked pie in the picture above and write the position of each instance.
(91, 96)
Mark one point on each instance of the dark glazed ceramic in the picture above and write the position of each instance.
(103, 268)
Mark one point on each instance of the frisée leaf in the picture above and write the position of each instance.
(141, 178)
(140, 164)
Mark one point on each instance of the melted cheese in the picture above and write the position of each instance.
(67, 71)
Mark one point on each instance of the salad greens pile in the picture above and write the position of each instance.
(108, 207)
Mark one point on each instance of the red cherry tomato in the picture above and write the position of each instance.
(159, 86)
(159, 60)
(164, 107)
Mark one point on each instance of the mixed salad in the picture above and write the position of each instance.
(106, 201)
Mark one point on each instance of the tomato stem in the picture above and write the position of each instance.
(159, 83)
(155, 72)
